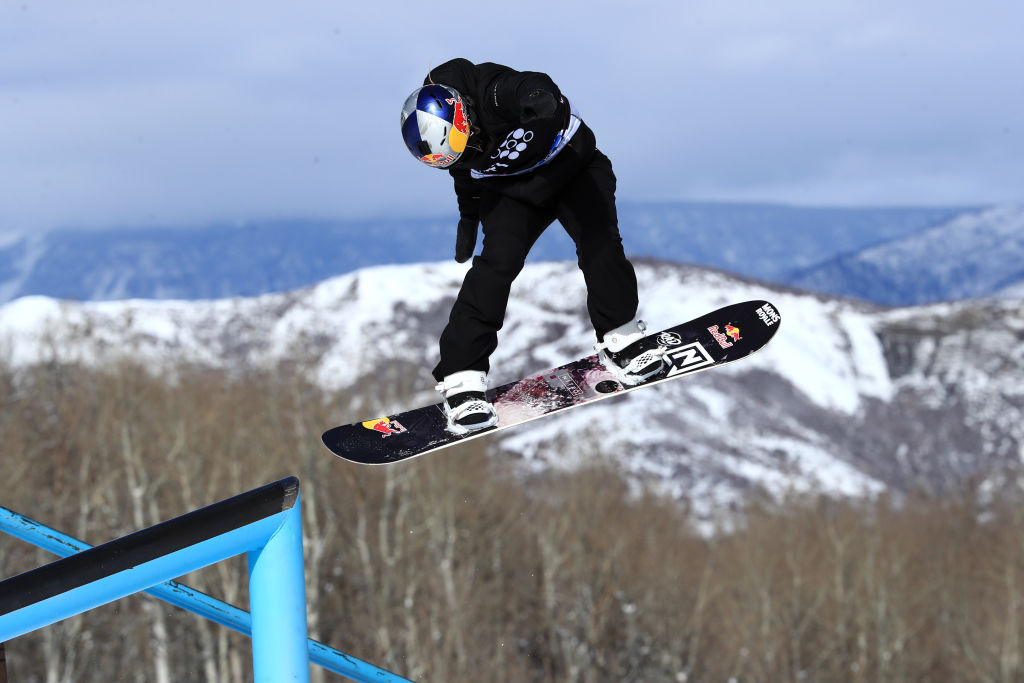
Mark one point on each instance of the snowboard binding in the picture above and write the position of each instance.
(631, 356)
(465, 402)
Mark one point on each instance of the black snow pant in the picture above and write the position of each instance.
(578, 189)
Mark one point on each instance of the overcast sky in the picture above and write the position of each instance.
(197, 111)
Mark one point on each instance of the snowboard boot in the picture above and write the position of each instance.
(465, 402)
(631, 356)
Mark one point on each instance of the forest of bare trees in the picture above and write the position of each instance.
(457, 567)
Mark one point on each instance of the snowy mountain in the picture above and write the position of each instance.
(847, 400)
(758, 240)
(765, 241)
(206, 263)
(976, 254)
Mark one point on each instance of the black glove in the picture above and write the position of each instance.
(465, 239)
(538, 104)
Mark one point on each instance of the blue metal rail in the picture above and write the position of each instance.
(276, 583)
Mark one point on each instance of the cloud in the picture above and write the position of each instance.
(188, 112)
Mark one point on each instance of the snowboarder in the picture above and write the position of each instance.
(521, 157)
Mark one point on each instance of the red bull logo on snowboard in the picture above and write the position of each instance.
(723, 339)
(386, 427)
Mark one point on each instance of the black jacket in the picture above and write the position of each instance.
(515, 119)
(515, 116)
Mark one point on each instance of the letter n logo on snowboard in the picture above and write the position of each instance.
(688, 358)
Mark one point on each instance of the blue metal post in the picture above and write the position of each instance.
(277, 602)
(62, 544)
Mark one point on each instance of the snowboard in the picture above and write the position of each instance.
(713, 339)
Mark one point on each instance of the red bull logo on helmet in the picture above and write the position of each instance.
(458, 136)
(437, 159)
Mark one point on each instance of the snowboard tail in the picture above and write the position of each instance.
(713, 339)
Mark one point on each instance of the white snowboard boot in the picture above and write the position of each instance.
(631, 356)
(465, 402)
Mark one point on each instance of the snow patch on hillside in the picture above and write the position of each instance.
(790, 419)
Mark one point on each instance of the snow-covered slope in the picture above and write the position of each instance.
(976, 254)
(847, 400)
